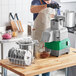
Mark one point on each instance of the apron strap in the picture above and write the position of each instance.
(41, 2)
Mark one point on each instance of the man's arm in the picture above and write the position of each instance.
(37, 8)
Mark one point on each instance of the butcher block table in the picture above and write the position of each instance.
(43, 65)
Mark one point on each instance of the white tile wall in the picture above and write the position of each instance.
(68, 6)
(22, 7)
(0, 11)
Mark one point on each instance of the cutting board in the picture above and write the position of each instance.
(20, 26)
(14, 27)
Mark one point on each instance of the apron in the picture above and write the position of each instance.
(42, 22)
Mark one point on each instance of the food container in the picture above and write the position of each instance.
(41, 51)
(28, 44)
(44, 54)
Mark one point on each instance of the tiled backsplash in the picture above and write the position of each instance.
(22, 7)
(68, 6)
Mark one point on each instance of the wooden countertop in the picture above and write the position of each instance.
(43, 65)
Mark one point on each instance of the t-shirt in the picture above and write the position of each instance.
(37, 2)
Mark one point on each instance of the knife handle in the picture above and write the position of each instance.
(16, 16)
(11, 16)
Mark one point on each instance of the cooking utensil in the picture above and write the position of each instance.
(70, 18)
(28, 44)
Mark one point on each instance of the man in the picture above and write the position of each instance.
(37, 6)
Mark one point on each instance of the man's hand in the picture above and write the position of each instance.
(53, 5)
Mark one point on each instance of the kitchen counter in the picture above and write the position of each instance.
(13, 39)
(43, 65)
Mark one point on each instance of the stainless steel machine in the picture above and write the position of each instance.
(56, 37)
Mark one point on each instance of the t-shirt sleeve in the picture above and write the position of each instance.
(35, 2)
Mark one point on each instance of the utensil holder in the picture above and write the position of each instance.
(16, 61)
